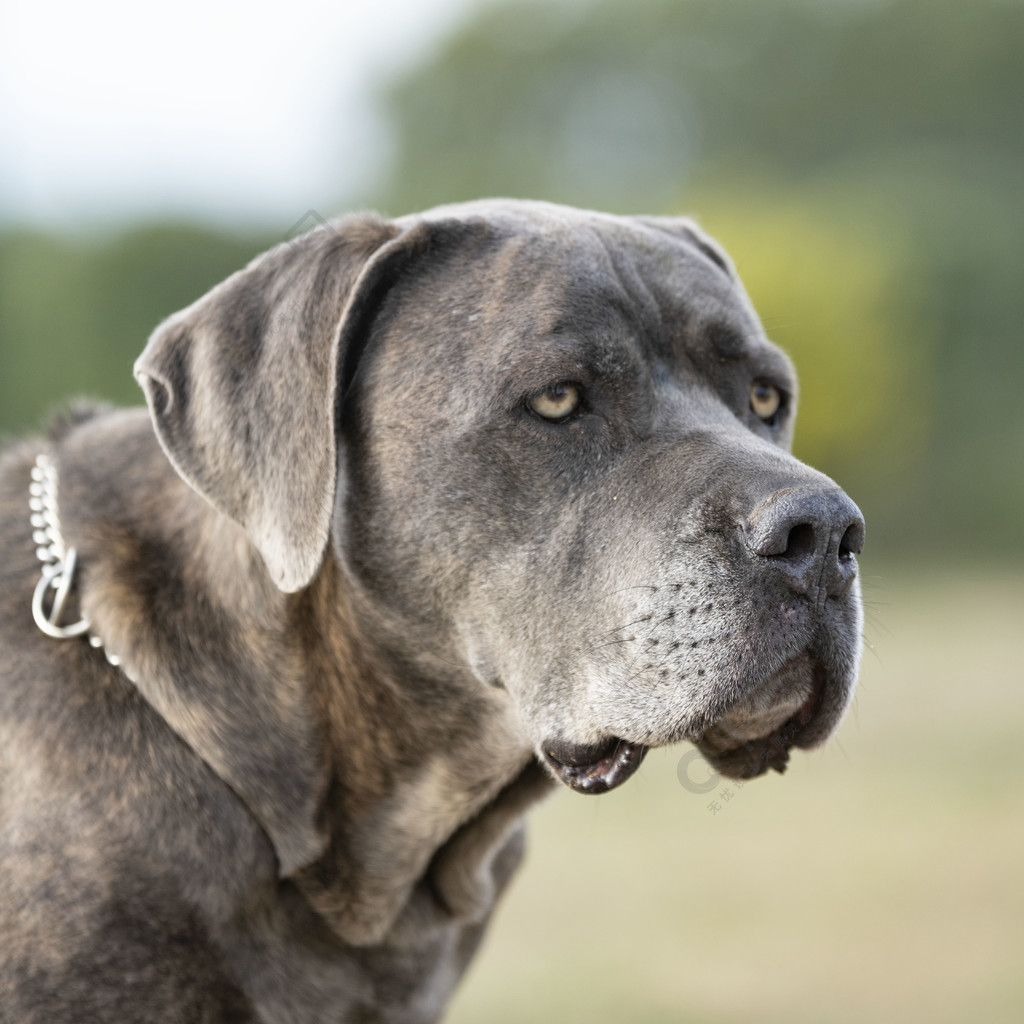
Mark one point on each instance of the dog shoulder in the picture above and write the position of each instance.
(121, 851)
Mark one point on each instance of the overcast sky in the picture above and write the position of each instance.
(237, 111)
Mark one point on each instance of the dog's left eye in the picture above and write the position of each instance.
(765, 400)
(556, 403)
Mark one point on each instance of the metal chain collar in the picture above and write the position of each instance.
(58, 560)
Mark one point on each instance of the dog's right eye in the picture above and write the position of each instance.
(556, 403)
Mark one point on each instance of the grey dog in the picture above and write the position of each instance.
(425, 516)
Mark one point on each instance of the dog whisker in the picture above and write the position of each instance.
(626, 590)
(618, 629)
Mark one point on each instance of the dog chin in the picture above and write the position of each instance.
(798, 706)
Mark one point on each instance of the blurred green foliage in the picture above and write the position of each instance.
(75, 313)
(860, 159)
(837, 290)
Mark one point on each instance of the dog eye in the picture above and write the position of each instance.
(765, 400)
(556, 403)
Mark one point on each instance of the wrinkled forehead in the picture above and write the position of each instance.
(529, 292)
(536, 270)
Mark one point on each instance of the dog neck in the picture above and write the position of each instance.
(387, 789)
(444, 777)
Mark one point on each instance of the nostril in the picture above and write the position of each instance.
(811, 535)
(800, 542)
(852, 542)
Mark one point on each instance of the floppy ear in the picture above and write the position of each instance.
(689, 231)
(242, 387)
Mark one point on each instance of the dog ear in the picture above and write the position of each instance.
(242, 385)
(689, 231)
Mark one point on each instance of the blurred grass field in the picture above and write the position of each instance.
(882, 879)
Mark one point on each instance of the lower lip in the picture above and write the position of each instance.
(604, 774)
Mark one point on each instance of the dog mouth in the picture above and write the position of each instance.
(597, 767)
(799, 705)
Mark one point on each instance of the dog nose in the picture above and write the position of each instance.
(811, 535)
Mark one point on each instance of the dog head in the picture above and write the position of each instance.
(549, 447)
